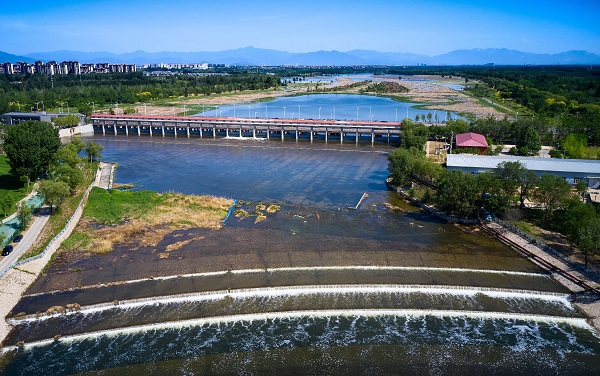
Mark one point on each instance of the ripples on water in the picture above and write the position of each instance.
(310, 344)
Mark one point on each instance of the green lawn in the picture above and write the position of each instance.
(10, 184)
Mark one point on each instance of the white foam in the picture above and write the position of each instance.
(280, 291)
(575, 322)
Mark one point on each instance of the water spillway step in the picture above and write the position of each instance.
(123, 314)
(309, 276)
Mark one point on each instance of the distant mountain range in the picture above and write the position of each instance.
(256, 56)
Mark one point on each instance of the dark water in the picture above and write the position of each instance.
(416, 295)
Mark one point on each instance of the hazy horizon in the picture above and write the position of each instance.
(427, 27)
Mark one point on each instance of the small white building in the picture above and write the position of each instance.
(572, 170)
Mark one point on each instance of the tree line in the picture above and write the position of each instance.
(34, 150)
(555, 203)
(36, 92)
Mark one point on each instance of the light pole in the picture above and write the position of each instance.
(333, 112)
(144, 109)
(319, 113)
(396, 118)
(249, 111)
(356, 113)
(370, 115)
(255, 112)
(234, 110)
(217, 111)
(68, 109)
(184, 110)
(266, 112)
(284, 112)
(407, 112)
(298, 112)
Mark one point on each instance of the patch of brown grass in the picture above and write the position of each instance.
(175, 212)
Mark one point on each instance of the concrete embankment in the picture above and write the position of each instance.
(84, 130)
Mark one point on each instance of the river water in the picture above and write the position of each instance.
(315, 288)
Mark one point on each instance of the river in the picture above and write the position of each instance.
(315, 288)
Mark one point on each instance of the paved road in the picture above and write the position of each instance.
(105, 175)
(29, 238)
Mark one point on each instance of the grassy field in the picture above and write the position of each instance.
(10, 184)
(112, 217)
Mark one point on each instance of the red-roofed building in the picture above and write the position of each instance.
(471, 143)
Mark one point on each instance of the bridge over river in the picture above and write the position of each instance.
(213, 127)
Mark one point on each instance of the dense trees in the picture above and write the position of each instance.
(30, 146)
(103, 89)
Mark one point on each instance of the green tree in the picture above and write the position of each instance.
(401, 164)
(24, 215)
(491, 191)
(414, 136)
(575, 145)
(94, 150)
(589, 238)
(529, 142)
(73, 176)
(30, 146)
(458, 193)
(67, 121)
(53, 192)
(551, 192)
(6, 203)
(67, 154)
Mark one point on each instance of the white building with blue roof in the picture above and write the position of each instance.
(572, 170)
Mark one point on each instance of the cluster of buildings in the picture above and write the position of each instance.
(473, 160)
(10, 118)
(66, 67)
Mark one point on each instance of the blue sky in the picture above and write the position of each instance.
(428, 27)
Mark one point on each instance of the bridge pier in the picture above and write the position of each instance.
(115, 128)
(103, 130)
(297, 133)
(254, 131)
(163, 130)
(341, 136)
(356, 136)
(188, 131)
(372, 137)
(139, 131)
(150, 127)
(214, 128)
(282, 132)
(268, 132)
(326, 133)
(126, 129)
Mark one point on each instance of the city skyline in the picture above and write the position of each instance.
(428, 27)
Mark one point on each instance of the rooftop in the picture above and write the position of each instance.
(532, 163)
(471, 140)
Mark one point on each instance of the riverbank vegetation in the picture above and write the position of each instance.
(511, 192)
(112, 217)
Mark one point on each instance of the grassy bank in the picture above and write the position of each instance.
(112, 217)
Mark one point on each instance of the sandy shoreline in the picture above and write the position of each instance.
(432, 95)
